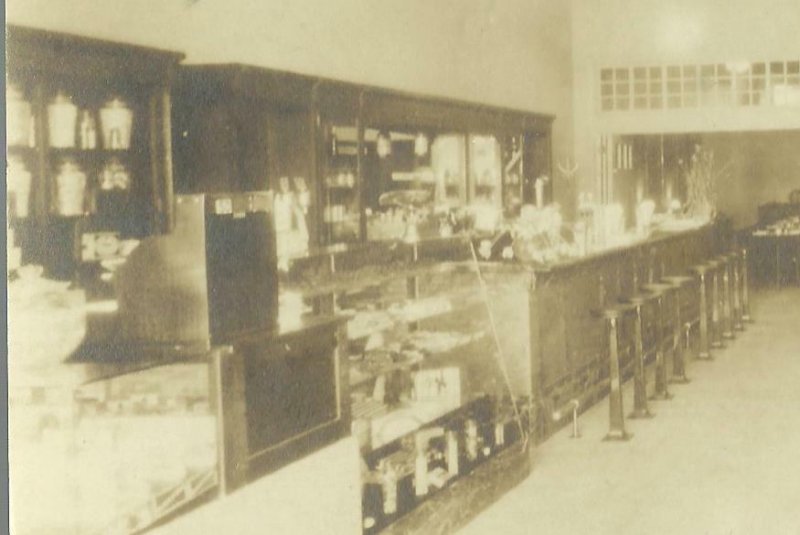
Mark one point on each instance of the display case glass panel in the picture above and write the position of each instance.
(414, 183)
(430, 398)
(341, 203)
(115, 455)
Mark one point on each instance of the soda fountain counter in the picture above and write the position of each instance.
(398, 389)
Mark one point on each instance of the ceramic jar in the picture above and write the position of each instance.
(114, 177)
(19, 122)
(19, 187)
(116, 120)
(62, 115)
(70, 189)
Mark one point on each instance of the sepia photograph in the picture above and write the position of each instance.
(384, 267)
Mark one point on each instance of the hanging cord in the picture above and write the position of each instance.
(501, 360)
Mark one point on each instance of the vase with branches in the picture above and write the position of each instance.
(702, 174)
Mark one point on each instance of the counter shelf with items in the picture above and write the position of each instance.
(429, 399)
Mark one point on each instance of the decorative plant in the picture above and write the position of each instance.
(702, 175)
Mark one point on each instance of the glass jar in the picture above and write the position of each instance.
(19, 123)
(114, 177)
(62, 116)
(116, 120)
(70, 189)
(19, 187)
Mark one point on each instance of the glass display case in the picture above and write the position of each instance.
(101, 447)
(430, 398)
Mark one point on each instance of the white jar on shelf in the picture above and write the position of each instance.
(62, 116)
(19, 122)
(116, 121)
(70, 189)
(19, 184)
(114, 177)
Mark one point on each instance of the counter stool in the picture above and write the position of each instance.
(616, 414)
(736, 283)
(680, 329)
(640, 409)
(703, 274)
(660, 293)
(726, 299)
(745, 289)
(716, 328)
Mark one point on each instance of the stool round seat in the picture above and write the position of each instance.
(677, 280)
(637, 299)
(657, 288)
(614, 311)
(701, 269)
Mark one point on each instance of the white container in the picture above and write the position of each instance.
(62, 116)
(114, 177)
(116, 120)
(19, 119)
(71, 189)
(19, 183)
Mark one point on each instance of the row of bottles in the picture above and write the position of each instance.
(68, 126)
(439, 455)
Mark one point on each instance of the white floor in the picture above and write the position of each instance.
(721, 457)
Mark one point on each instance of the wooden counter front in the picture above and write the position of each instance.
(568, 342)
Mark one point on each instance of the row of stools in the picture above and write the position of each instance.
(718, 287)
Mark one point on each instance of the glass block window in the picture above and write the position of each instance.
(708, 85)
(655, 88)
(731, 84)
(758, 85)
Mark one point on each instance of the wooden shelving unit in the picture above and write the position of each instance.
(90, 74)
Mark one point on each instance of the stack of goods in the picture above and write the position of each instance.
(539, 236)
(789, 226)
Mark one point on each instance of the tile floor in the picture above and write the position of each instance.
(721, 457)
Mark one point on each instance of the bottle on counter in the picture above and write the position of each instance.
(421, 474)
(389, 488)
(452, 453)
(500, 434)
(471, 440)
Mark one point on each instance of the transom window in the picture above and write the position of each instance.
(775, 83)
